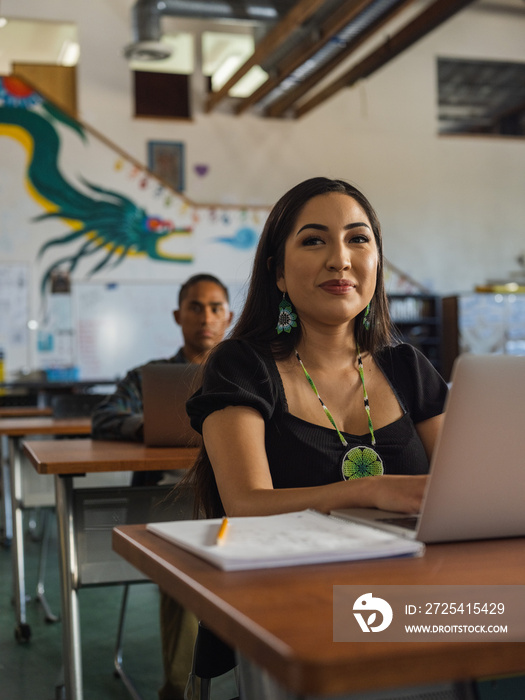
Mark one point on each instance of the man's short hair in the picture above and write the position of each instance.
(203, 277)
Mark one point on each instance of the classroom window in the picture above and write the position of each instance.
(481, 97)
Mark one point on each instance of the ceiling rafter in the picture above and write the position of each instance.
(439, 12)
(315, 48)
(295, 17)
(279, 107)
(344, 14)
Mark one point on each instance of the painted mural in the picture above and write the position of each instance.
(105, 225)
(72, 205)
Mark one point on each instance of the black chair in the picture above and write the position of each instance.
(211, 658)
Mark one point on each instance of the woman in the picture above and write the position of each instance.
(309, 404)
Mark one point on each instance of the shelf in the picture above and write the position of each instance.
(417, 319)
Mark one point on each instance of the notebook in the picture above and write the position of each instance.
(287, 539)
(166, 386)
(476, 488)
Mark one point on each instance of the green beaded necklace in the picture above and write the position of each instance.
(362, 460)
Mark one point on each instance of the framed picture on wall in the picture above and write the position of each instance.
(166, 160)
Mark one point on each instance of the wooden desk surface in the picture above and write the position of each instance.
(44, 425)
(82, 456)
(24, 411)
(282, 618)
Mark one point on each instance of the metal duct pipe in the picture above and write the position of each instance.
(147, 14)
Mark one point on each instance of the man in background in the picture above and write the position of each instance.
(204, 316)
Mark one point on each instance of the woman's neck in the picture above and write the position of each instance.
(328, 348)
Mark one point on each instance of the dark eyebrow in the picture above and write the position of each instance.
(320, 227)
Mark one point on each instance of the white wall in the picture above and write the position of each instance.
(452, 208)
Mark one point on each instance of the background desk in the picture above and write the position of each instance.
(24, 411)
(22, 426)
(65, 459)
(41, 391)
(281, 619)
(12, 412)
(15, 429)
(76, 457)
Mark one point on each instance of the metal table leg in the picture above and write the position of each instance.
(42, 564)
(22, 629)
(7, 516)
(71, 645)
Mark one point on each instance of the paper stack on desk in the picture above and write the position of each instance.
(288, 539)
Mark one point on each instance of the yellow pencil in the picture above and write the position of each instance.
(221, 535)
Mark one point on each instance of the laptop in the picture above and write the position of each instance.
(166, 386)
(476, 488)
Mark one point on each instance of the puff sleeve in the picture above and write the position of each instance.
(418, 385)
(235, 375)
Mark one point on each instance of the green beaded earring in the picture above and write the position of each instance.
(287, 317)
(366, 320)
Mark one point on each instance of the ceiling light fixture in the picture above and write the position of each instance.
(69, 53)
(225, 70)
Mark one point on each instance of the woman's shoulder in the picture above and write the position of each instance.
(237, 349)
(415, 378)
(405, 363)
(402, 354)
(242, 360)
(236, 374)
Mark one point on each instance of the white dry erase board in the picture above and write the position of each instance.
(121, 325)
(14, 315)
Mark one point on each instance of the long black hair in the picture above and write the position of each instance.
(258, 319)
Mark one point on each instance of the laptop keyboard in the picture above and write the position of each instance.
(409, 522)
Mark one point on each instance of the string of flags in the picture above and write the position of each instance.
(197, 213)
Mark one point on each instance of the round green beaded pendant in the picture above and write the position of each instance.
(361, 461)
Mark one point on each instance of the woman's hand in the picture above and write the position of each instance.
(402, 494)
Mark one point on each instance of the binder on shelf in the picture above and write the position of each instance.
(287, 539)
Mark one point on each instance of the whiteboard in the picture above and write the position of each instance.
(14, 315)
(121, 325)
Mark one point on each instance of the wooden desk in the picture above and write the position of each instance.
(14, 430)
(74, 457)
(44, 425)
(65, 459)
(24, 411)
(45, 388)
(12, 412)
(281, 619)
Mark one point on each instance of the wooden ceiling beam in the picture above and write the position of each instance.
(343, 15)
(439, 12)
(279, 107)
(275, 37)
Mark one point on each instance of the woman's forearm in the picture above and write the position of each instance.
(397, 493)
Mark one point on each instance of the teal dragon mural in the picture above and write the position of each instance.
(107, 225)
